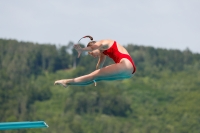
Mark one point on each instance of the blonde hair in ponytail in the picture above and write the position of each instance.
(91, 40)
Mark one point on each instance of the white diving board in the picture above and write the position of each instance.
(22, 125)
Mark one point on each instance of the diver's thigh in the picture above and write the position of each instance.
(114, 70)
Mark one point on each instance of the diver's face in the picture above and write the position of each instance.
(94, 53)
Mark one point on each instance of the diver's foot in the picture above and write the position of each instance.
(61, 82)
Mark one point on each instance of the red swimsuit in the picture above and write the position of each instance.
(113, 53)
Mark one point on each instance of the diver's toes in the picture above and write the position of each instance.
(55, 83)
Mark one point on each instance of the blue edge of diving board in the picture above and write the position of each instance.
(22, 125)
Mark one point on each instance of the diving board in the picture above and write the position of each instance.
(22, 125)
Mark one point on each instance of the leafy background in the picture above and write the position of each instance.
(162, 97)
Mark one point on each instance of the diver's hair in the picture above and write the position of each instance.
(91, 43)
(91, 40)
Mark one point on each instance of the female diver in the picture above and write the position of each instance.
(123, 68)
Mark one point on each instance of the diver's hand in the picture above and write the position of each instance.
(78, 49)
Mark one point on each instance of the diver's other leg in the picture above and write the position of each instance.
(111, 72)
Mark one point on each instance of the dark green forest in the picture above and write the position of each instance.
(162, 97)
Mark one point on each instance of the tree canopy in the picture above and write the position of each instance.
(162, 96)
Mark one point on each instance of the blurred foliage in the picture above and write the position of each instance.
(162, 97)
